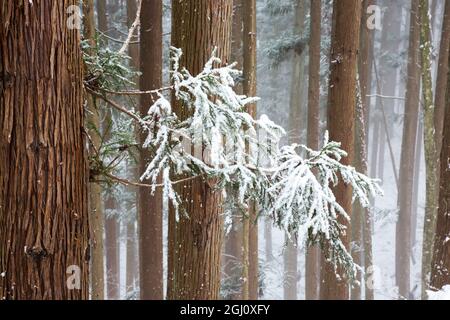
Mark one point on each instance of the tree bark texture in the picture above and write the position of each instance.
(44, 228)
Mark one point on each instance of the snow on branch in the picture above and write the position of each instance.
(217, 140)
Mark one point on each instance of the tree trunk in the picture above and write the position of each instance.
(102, 17)
(341, 107)
(406, 178)
(233, 245)
(388, 73)
(249, 42)
(44, 228)
(150, 206)
(96, 214)
(441, 81)
(297, 123)
(312, 264)
(112, 233)
(268, 240)
(440, 271)
(362, 221)
(418, 163)
(132, 258)
(195, 253)
(430, 148)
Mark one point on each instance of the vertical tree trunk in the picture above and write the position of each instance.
(418, 163)
(249, 43)
(96, 214)
(268, 240)
(312, 263)
(112, 232)
(44, 229)
(132, 258)
(110, 204)
(233, 246)
(362, 221)
(430, 147)
(341, 107)
(297, 123)
(441, 81)
(198, 27)
(102, 17)
(375, 147)
(150, 206)
(440, 271)
(388, 73)
(406, 178)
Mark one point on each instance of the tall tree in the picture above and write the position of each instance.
(250, 44)
(441, 81)
(390, 45)
(44, 229)
(110, 204)
(195, 241)
(150, 206)
(96, 214)
(132, 263)
(296, 124)
(430, 146)
(312, 265)
(233, 245)
(341, 107)
(362, 221)
(440, 271)
(407, 160)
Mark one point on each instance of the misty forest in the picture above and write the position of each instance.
(224, 150)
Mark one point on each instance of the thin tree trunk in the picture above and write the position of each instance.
(268, 240)
(96, 214)
(297, 123)
(362, 235)
(198, 27)
(312, 264)
(375, 148)
(102, 17)
(249, 43)
(441, 81)
(132, 257)
(150, 206)
(44, 227)
(440, 271)
(341, 107)
(112, 232)
(388, 73)
(290, 269)
(406, 178)
(233, 245)
(430, 148)
(418, 163)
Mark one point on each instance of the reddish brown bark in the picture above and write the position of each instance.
(312, 269)
(440, 271)
(150, 206)
(341, 107)
(196, 240)
(441, 81)
(43, 171)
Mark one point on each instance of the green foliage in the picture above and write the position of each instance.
(106, 68)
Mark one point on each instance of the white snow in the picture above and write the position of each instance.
(443, 294)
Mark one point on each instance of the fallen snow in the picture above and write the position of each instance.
(444, 294)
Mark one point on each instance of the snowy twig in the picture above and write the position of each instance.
(132, 29)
